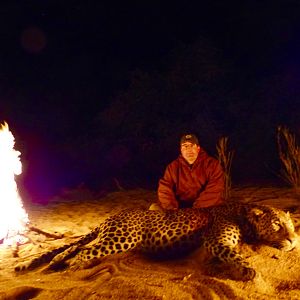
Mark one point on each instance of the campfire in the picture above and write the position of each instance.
(13, 217)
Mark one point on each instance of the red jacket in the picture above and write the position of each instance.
(199, 185)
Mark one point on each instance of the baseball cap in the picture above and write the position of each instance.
(190, 138)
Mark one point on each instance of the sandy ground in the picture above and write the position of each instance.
(134, 276)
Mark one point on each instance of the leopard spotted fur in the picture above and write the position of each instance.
(220, 229)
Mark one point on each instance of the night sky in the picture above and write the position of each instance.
(69, 70)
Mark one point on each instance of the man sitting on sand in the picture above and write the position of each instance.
(194, 179)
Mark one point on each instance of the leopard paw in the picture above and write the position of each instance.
(21, 267)
(247, 273)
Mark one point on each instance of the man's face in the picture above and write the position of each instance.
(190, 151)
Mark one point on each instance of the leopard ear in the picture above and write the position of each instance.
(257, 211)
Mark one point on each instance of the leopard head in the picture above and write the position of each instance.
(273, 226)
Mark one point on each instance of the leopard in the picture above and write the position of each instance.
(219, 230)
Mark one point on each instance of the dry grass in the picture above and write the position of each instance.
(225, 158)
(289, 154)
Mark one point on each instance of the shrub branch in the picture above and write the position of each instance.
(289, 154)
(225, 158)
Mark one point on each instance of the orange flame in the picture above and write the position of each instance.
(13, 217)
